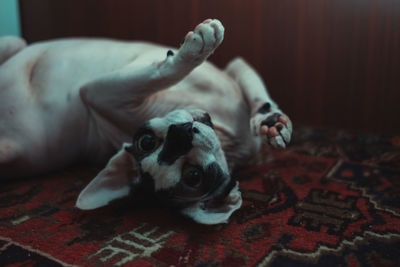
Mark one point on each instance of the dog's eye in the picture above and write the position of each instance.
(148, 143)
(192, 176)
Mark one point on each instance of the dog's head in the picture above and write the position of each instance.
(178, 159)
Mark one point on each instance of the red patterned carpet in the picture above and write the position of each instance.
(331, 199)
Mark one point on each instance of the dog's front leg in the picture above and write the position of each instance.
(267, 121)
(113, 95)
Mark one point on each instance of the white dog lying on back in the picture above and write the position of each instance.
(70, 101)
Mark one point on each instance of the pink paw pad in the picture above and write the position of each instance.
(276, 129)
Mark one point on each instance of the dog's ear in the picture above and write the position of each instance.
(205, 214)
(113, 182)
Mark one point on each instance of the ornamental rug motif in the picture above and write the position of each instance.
(330, 199)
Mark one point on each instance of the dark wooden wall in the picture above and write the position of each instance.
(329, 63)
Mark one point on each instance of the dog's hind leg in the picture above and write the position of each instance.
(9, 46)
(267, 121)
(113, 95)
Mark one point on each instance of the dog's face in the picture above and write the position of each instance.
(180, 159)
(183, 157)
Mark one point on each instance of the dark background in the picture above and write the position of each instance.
(328, 63)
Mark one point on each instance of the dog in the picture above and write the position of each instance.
(166, 120)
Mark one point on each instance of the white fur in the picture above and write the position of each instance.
(100, 198)
(111, 183)
(160, 125)
(165, 176)
(204, 216)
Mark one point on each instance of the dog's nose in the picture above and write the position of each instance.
(184, 129)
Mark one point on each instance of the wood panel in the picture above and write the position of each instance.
(329, 63)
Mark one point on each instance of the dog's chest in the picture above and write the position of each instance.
(209, 89)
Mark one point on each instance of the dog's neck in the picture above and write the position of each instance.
(235, 149)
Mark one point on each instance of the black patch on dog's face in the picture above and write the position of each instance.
(146, 185)
(178, 142)
(143, 193)
(205, 119)
(215, 187)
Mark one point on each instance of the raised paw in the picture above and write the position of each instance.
(272, 126)
(202, 41)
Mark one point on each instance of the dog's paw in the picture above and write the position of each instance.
(202, 41)
(272, 126)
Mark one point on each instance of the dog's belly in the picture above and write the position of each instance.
(212, 90)
(43, 123)
(37, 134)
